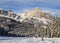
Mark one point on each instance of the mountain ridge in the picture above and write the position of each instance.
(35, 23)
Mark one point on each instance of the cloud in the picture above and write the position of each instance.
(53, 2)
(20, 5)
(56, 12)
(41, 3)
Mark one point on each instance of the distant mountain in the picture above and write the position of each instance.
(45, 20)
(34, 23)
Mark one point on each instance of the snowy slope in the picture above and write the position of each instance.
(28, 40)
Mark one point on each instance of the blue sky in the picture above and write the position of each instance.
(21, 5)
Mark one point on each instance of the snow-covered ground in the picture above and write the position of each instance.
(28, 40)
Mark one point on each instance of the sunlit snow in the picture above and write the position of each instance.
(28, 40)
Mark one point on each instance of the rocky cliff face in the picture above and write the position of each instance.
(35, 23)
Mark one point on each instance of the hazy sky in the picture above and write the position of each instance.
(21, 5)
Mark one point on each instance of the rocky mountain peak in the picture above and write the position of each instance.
(32, 13)
(36, 10)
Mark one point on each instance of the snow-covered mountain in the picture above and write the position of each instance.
(32, 23)
(41, 19)
(39, 15)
